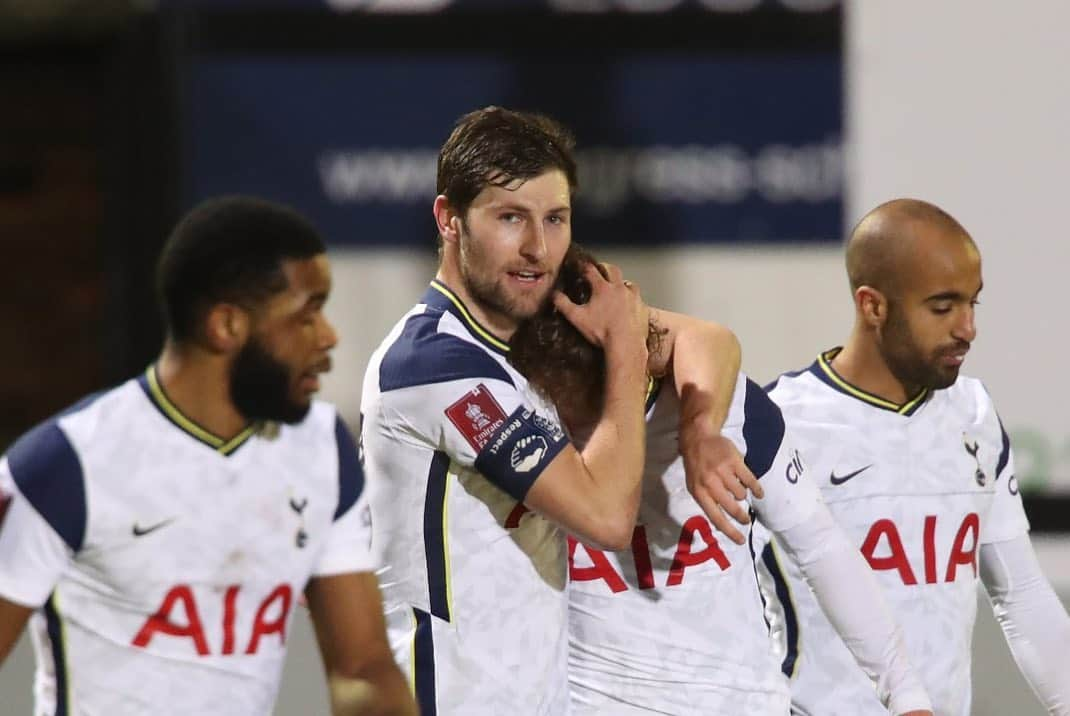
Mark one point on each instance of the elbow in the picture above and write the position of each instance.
(612, 534)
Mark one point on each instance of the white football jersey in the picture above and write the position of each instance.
(473, 583)
(677, 625)
(918, 487)
(167, 562)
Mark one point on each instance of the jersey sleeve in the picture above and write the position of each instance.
(349, 542)
(1007, 519)
(42, 514)
(774, 456)
(473, 412)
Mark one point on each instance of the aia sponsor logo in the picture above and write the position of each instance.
(884, 550)
(476, 415)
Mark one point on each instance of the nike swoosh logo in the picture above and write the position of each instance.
(142, 531)
(839, 480)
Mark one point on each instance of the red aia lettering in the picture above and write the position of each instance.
(601, 568)
(972, 524)
(513, 520)
(190, 626)
(261, 627)
(898, 557)
(641, 554)
(161, 620)
(960, 554)
(685, 558)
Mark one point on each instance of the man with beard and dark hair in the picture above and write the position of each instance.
(474, 482)
(157, 535)
(676, 623)
(920, 473)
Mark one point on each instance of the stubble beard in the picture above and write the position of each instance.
(906, 360)
(489, 291)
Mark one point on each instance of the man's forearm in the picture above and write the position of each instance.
(380, 690)
(705, 364)
(615, 451)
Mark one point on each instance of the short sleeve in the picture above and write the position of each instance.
(348, 547)
(33, 554)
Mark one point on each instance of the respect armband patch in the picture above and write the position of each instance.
(520, 450)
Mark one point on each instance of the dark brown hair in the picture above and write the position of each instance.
(496, 146)
(554, 356)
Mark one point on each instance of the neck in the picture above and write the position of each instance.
(198, 384)
(861, 364)
(502, 326)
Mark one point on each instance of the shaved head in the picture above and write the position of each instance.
(885, 245)
(915, 275)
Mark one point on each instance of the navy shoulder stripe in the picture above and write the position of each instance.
(350, 470)
(763, 429)
(49, 474)
(422, 355)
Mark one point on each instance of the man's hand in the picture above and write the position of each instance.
(917, 713)
(615, 313)
(717, 476)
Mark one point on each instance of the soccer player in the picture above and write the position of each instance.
(157, 535)
(919, 471)
(471, 475)
(674, 622)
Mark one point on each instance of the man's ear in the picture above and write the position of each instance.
(872, 306)
(227, 327)
(447, 220)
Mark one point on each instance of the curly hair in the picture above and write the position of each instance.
(555, 358)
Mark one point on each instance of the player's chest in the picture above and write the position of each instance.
(914, 499)
(214, 519)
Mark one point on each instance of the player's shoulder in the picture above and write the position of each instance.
(84, 421)
(797, 387)
(431, 349)
(46, 462)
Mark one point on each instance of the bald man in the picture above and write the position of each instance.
(914, 463)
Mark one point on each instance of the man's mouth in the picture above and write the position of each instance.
(955, 356)
(527, 276)
(309, 380)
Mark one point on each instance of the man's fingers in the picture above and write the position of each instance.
(727, 477)
(613, 273)
(720, 521)
(564, 304)
(749, 481)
